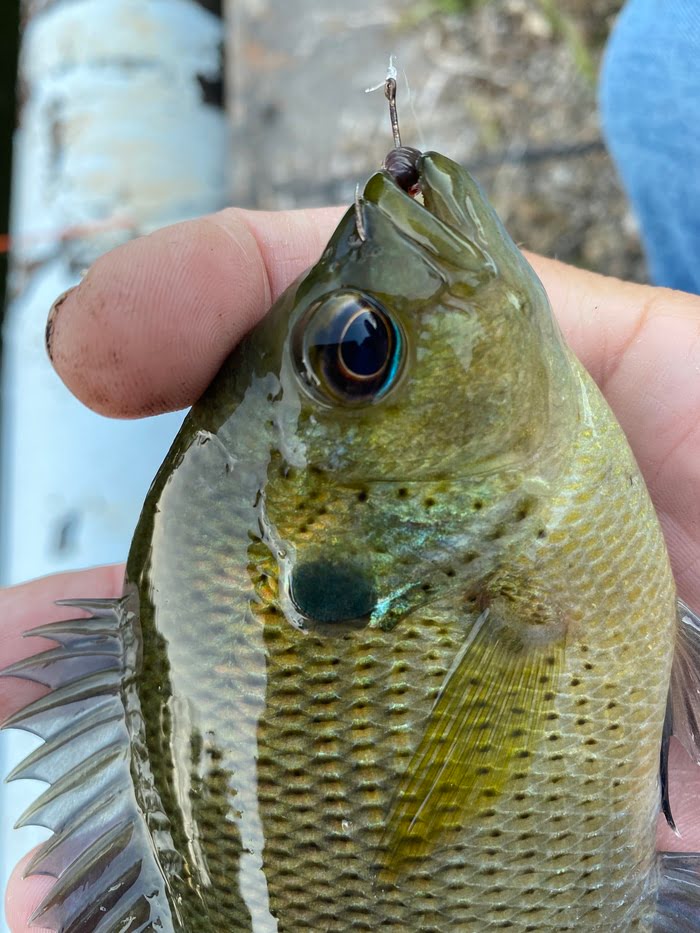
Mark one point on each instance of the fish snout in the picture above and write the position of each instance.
(333, 592)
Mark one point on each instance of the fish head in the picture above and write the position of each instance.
(420, 380)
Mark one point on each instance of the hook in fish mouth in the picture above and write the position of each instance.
(402, 163)
(336, 593)
(448, 223)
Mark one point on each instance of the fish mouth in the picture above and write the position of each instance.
(445, 213)
(409, 244)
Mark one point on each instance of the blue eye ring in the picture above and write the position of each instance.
(348, 349)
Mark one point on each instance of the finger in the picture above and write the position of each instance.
(629, 337)
(153, 320)
(23, 896)
(29, 605)
(642, 345)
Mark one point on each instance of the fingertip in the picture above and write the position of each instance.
(152, 321)
(23, 896)
(51, 320)
(150, 317)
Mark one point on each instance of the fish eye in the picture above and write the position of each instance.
(348, 348)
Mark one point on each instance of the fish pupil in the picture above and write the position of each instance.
(365, 345)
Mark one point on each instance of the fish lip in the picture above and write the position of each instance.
(442, 224)
(427, 166)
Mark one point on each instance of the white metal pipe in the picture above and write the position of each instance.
(118, 135)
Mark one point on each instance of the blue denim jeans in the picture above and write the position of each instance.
(650, 109)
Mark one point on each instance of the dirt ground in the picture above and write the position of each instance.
(555, 186)
(507, 87)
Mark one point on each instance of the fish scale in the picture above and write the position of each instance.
(303, 678)
(397, 640)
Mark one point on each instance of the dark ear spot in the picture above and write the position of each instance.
(332, 592)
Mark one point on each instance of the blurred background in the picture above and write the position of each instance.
(129, 114)
(506, 87)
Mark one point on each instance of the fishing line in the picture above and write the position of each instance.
(393, 72)
(416, 121)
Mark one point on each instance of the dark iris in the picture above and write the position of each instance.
(365, 345)
(348, 348)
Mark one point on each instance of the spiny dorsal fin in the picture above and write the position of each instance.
(54, 757)
(101, 853)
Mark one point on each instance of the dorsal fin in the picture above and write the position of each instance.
(108, 877)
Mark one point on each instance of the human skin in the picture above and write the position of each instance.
(153, 320)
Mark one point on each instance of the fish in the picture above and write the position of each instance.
(399, 643)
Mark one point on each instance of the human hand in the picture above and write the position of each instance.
(152, 321)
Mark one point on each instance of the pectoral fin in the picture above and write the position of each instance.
(486, 720)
